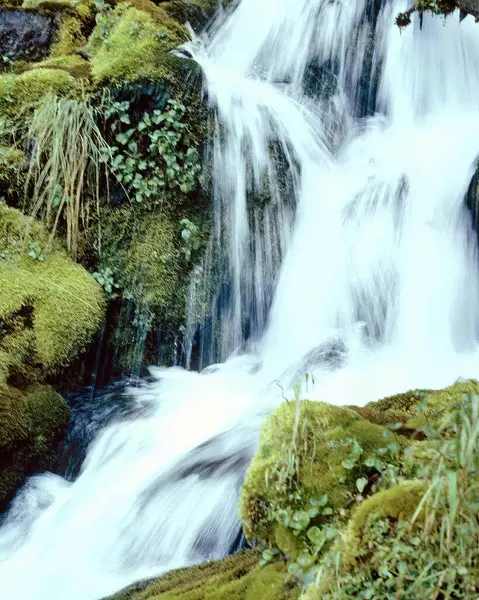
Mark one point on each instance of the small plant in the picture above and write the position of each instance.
(152, 153)
(63, 180)
(434, 554)
(36, 252)
(190, 235)
(106, 279)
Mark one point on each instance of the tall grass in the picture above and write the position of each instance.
(65, 148)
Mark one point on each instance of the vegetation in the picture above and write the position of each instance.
(235, 578)
(64, 170)
(32, 422)
(49, 306)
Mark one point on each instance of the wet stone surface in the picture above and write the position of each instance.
(25, 35)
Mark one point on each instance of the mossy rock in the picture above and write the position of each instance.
(300, 457)
(85, 9)
(132, 42)
(12, 162)
(398, 503)
(19, 92)
(235, 578)
(144, 251)
(31, 424)
(49, 309)
(73, 64)
(436, 403)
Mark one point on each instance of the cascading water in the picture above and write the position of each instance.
(368, 247)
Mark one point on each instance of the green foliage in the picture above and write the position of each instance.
(191, 238)
(417, 539)
(104, 276)
(36, 251)
(63, 179)
(305, 476)
(152, 153)
(31, 424)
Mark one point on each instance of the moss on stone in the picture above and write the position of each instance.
(73, 64)
(300, 457)
(48, 309)
(85, 9)
(435, 402)
(144, 252)
(31, 424)
(18, 92)
(132, 43)
(398, 503)
(68, 37)
(234, 578)
(11, 162)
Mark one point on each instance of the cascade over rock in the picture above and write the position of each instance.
(338, 150)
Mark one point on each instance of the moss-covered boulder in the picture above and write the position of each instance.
(308, 451)
(32, 422)
(25, 35)
(18, 92)
(133, 41)
(49, 306)
(237, 577)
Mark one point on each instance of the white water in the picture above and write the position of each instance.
(377, 291)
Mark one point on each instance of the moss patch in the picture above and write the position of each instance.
(73, 64)
(131, 43)
(31, 424)
(302, 450)
(234, 578)
(20, 91)
(48, 309)
(83, 8)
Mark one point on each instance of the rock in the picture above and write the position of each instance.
(25, 35)
(49, 308)
(237, 576)
(32, 422)
(134, 43)
(301, 456)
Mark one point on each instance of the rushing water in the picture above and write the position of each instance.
(342, 155)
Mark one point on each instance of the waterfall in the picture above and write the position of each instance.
(343, 151)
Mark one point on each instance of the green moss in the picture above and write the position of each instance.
(300, 457)
(69, 36)
(85, 9)
(73, 64)
(31, 424)
(234, 578)
(11, 162)
(398, 503)
(18, 92)
(48, 310)
(144, 252)
(131, 43)
(435, 402)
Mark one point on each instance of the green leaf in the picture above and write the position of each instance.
(317, 536)
(121, 138)
(349, 464)
(305, 560)
(300, 520)
(361, 483)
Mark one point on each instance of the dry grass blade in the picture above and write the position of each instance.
(66, 148)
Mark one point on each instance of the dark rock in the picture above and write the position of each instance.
(25, 35)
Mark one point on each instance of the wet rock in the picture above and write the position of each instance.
(25, 35)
